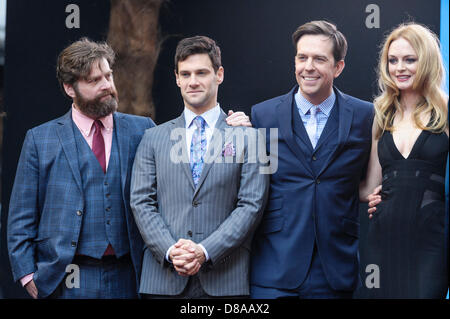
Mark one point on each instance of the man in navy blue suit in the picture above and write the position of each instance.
(69, 211)
(307, 243)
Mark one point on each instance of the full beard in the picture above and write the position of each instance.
(96, 108)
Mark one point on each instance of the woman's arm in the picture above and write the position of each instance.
(373, 175)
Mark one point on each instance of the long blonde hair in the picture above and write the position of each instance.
(428, 81)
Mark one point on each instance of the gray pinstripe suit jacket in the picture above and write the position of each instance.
(221, 213)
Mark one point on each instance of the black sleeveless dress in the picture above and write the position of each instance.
(406, 237)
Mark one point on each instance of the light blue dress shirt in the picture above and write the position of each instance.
(323, 111)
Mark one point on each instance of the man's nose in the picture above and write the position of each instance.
(106, 84)
(193, 81)
(309, 64)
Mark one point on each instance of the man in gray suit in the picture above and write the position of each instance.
(197, 189)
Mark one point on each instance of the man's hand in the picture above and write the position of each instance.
(183, 255)
(238, 119)
(31, 289)
(374, 200)
(187, 257)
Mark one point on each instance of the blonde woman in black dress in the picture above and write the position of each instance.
(406, 237)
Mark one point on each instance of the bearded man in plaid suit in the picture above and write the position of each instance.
(70, 200)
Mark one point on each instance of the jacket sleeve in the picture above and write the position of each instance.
(255, 123)
(244, 219)
(23, 218)
(144, 203)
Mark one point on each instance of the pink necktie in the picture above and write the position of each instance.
(98, 145)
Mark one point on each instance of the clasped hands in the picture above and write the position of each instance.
(187, 257)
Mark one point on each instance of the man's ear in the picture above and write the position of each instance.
(340, 65)
(220, 75)
(177, 78)
(68, 88)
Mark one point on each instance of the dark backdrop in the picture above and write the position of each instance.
(257, 54)
(257, 51)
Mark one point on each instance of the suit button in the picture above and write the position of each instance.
(317, 181)
(108, 222)
(79, 212)
(314, 158)
(106, 183)
(107, 195)
(108, 209)
(73, 244)
(189, 233)
(195, 203)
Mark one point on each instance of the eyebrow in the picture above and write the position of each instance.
(405, 56)
(315, 56)
(88, 78)
(197, 70)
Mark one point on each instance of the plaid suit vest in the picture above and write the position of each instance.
(104, 213)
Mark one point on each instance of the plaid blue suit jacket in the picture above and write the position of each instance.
(47, 201)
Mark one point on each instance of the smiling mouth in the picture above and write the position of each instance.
(403, 78)
(310, 78)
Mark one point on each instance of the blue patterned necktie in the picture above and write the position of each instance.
(311, 126)
(198, 148)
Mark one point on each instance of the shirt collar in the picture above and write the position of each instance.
(325, 107)
(211, 116)
(84, 123)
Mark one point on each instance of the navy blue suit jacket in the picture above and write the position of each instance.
(307, 205)
(44, 221)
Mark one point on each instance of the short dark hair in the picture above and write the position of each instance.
(75, 61)
(198, 45)
(327, 29)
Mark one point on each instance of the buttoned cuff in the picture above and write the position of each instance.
(205, 252)
(167, 254)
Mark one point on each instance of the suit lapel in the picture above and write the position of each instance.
(123, 137)
(345, 122)
(68, 143)
(330, 127)
(215, 147)
(180, 123)
(299, 128)
(284, 114)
